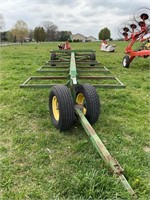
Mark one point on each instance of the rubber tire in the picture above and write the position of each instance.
(53, 58)
(92, 101)
(93, 58)
(126, 61)
(66, 107)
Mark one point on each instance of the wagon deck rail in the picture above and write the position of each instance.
(82, 65)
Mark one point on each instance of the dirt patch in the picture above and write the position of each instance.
(146, 149)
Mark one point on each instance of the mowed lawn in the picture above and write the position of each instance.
(38, 162)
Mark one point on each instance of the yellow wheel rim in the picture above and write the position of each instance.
(55, 108)
(80, 100)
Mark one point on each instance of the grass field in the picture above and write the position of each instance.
(39, 162)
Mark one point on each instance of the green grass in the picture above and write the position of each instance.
(39, 162)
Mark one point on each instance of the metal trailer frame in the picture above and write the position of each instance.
(74, 63)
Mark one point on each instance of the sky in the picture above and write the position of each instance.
(86, 17)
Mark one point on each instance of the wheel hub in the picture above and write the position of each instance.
(80, 100)
(55, 108)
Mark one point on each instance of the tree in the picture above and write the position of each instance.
(2, 22)
(31, 34)
(10, 37)
(50, 30)
(63, 35)
(104, 34)
(39, 34)
(4, 36)
(20, 30)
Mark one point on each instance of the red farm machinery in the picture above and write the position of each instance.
(136, 29)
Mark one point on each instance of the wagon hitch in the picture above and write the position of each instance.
(103, 152)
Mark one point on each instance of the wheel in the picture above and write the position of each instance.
(126, 61)
(53, 58)
(87, 96)
(93, 58)
(61, 107)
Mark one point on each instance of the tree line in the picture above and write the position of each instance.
(46, 31)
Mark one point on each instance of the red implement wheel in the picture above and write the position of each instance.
(126, 61)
